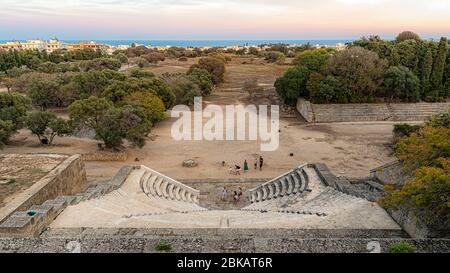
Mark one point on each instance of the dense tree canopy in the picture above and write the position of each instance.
(13, 108)
(360, 71)
(407, 35)
(314, 60)
(401, 83)
(184, 89)
(293, 84)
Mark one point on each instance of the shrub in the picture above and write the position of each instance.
(203, 79)
(252, 87)
(401, 247)
(426, 155)
(6, 131)
(163, 246)
(404, 129)
(215, 66)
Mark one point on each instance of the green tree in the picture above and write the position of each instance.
(408, 52)
(314, 60)
(148, 105)
(101, 64)
(46, 126)
(86, 84)
(437, 74)
(13, 108)
(407, 35)
(360, 71)
(6, 131)
(215, 66)
(293, 84)
(312, 85)
(42, 92)
(111, 124)
(385, 49)
(427, 65)
(329, 90)
(184, 89)
(401, 83)
(88, 112)
(117, 89)
(160, 88)
(203, 79)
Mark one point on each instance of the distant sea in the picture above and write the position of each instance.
(201, 43)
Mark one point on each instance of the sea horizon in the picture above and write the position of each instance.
(205, 42)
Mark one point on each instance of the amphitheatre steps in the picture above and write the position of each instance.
(157, 185)
(370, 111)
(291, 183)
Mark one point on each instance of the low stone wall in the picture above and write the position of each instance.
(304, 107)
(68, 178)
(219, 240)
(105, 156)
(22, 223)
(361, 112)
(390, 173)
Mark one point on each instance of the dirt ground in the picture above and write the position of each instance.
(19, 173)
(350, 149)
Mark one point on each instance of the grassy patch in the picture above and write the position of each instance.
(163, 246)
(401, 247)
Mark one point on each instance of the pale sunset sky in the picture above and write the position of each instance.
(221, 19)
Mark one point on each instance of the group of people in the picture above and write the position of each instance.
(237, 194)
(236, 170)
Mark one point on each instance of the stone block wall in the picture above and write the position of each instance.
(390, 173)
(360, 112)
(304, 107)
(66, 179)
(217, 240)
(105, 156)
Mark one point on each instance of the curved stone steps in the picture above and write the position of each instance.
(161, 186)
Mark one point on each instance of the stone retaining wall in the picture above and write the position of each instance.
(105, 156)
(68, 178)
(361, 112)
(390, 173)
(304, 107)
(31, 221)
